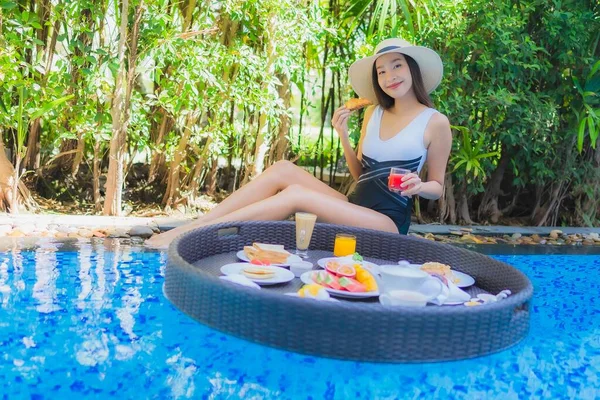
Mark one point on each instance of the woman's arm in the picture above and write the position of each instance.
(440, 143)
(340, 123)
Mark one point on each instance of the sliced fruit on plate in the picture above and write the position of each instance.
(318, 277)
(332, 266)
(332, 282)
(366, 278)
(351, 285)
(347, 271)
(256, 261)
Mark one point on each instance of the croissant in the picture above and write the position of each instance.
(357, 104)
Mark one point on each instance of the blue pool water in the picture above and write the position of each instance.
(92, 321)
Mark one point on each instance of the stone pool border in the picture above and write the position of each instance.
(90, 226)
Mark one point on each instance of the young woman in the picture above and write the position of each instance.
(401, 130)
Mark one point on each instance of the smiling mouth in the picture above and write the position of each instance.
(395, 85)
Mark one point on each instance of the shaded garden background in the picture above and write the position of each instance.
(118, 105)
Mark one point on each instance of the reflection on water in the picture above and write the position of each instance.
(89, 319)
(46, 273)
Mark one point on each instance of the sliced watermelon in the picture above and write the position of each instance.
(320, 277)
(332, 282)
(256, 261)
(351, 285)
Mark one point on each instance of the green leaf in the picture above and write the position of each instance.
(383, 16)
(50, 106)
(407, 16)
(577, 85)
(458, 164)
(593, 70)
(8, 5)
(593, 131)
(486, 155)
(591, 111)
(581, 135)
(3, 106)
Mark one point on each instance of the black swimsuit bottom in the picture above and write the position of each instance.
(372, 191)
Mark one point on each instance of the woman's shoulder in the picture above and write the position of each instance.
(439, 121)
(438, 129)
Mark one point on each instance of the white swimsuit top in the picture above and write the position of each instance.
(407, 144)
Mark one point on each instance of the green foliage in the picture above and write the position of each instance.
(521, 80)
(468, 155)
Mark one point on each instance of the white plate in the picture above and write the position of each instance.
(371, 267)
(282, 275)
(292, 258)
(460, 278)
(306, 278)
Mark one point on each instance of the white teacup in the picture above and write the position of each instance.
(407, 286)
(395, 277)
(300, 267)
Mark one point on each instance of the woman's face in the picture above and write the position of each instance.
(393, 74)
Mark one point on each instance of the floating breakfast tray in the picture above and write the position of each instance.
(356, 330)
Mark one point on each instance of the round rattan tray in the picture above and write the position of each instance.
(355, 330)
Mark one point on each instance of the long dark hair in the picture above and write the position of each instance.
(387, 101)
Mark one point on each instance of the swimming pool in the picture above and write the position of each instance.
(90, 319)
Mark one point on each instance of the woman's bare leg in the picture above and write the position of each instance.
(298, 198)
(275, 179)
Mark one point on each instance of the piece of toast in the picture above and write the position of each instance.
(274, 254)
(270, 247)
(357, 104)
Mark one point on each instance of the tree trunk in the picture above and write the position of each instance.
(13, 192)
(545, 209)
(511, 206)
(120, 110)
(193, 186)
(158, 156)
(187, 10)
(78, 156)
(447, 209)
(417, 207)
(463, 204)
(260, 147)
(32, 157)
(489, 203)
(248, 152)
(211, 178)
(539, 191)
(173, 191)
(96, 176)
(280, 146)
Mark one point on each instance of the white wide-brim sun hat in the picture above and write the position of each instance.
(430, 64)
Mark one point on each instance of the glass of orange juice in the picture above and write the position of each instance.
(344, 245)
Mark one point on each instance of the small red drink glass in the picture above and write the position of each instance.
(395, 179)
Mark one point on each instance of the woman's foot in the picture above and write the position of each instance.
(163, 240)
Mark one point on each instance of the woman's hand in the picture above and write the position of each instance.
(339, 121)
(412, 183)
